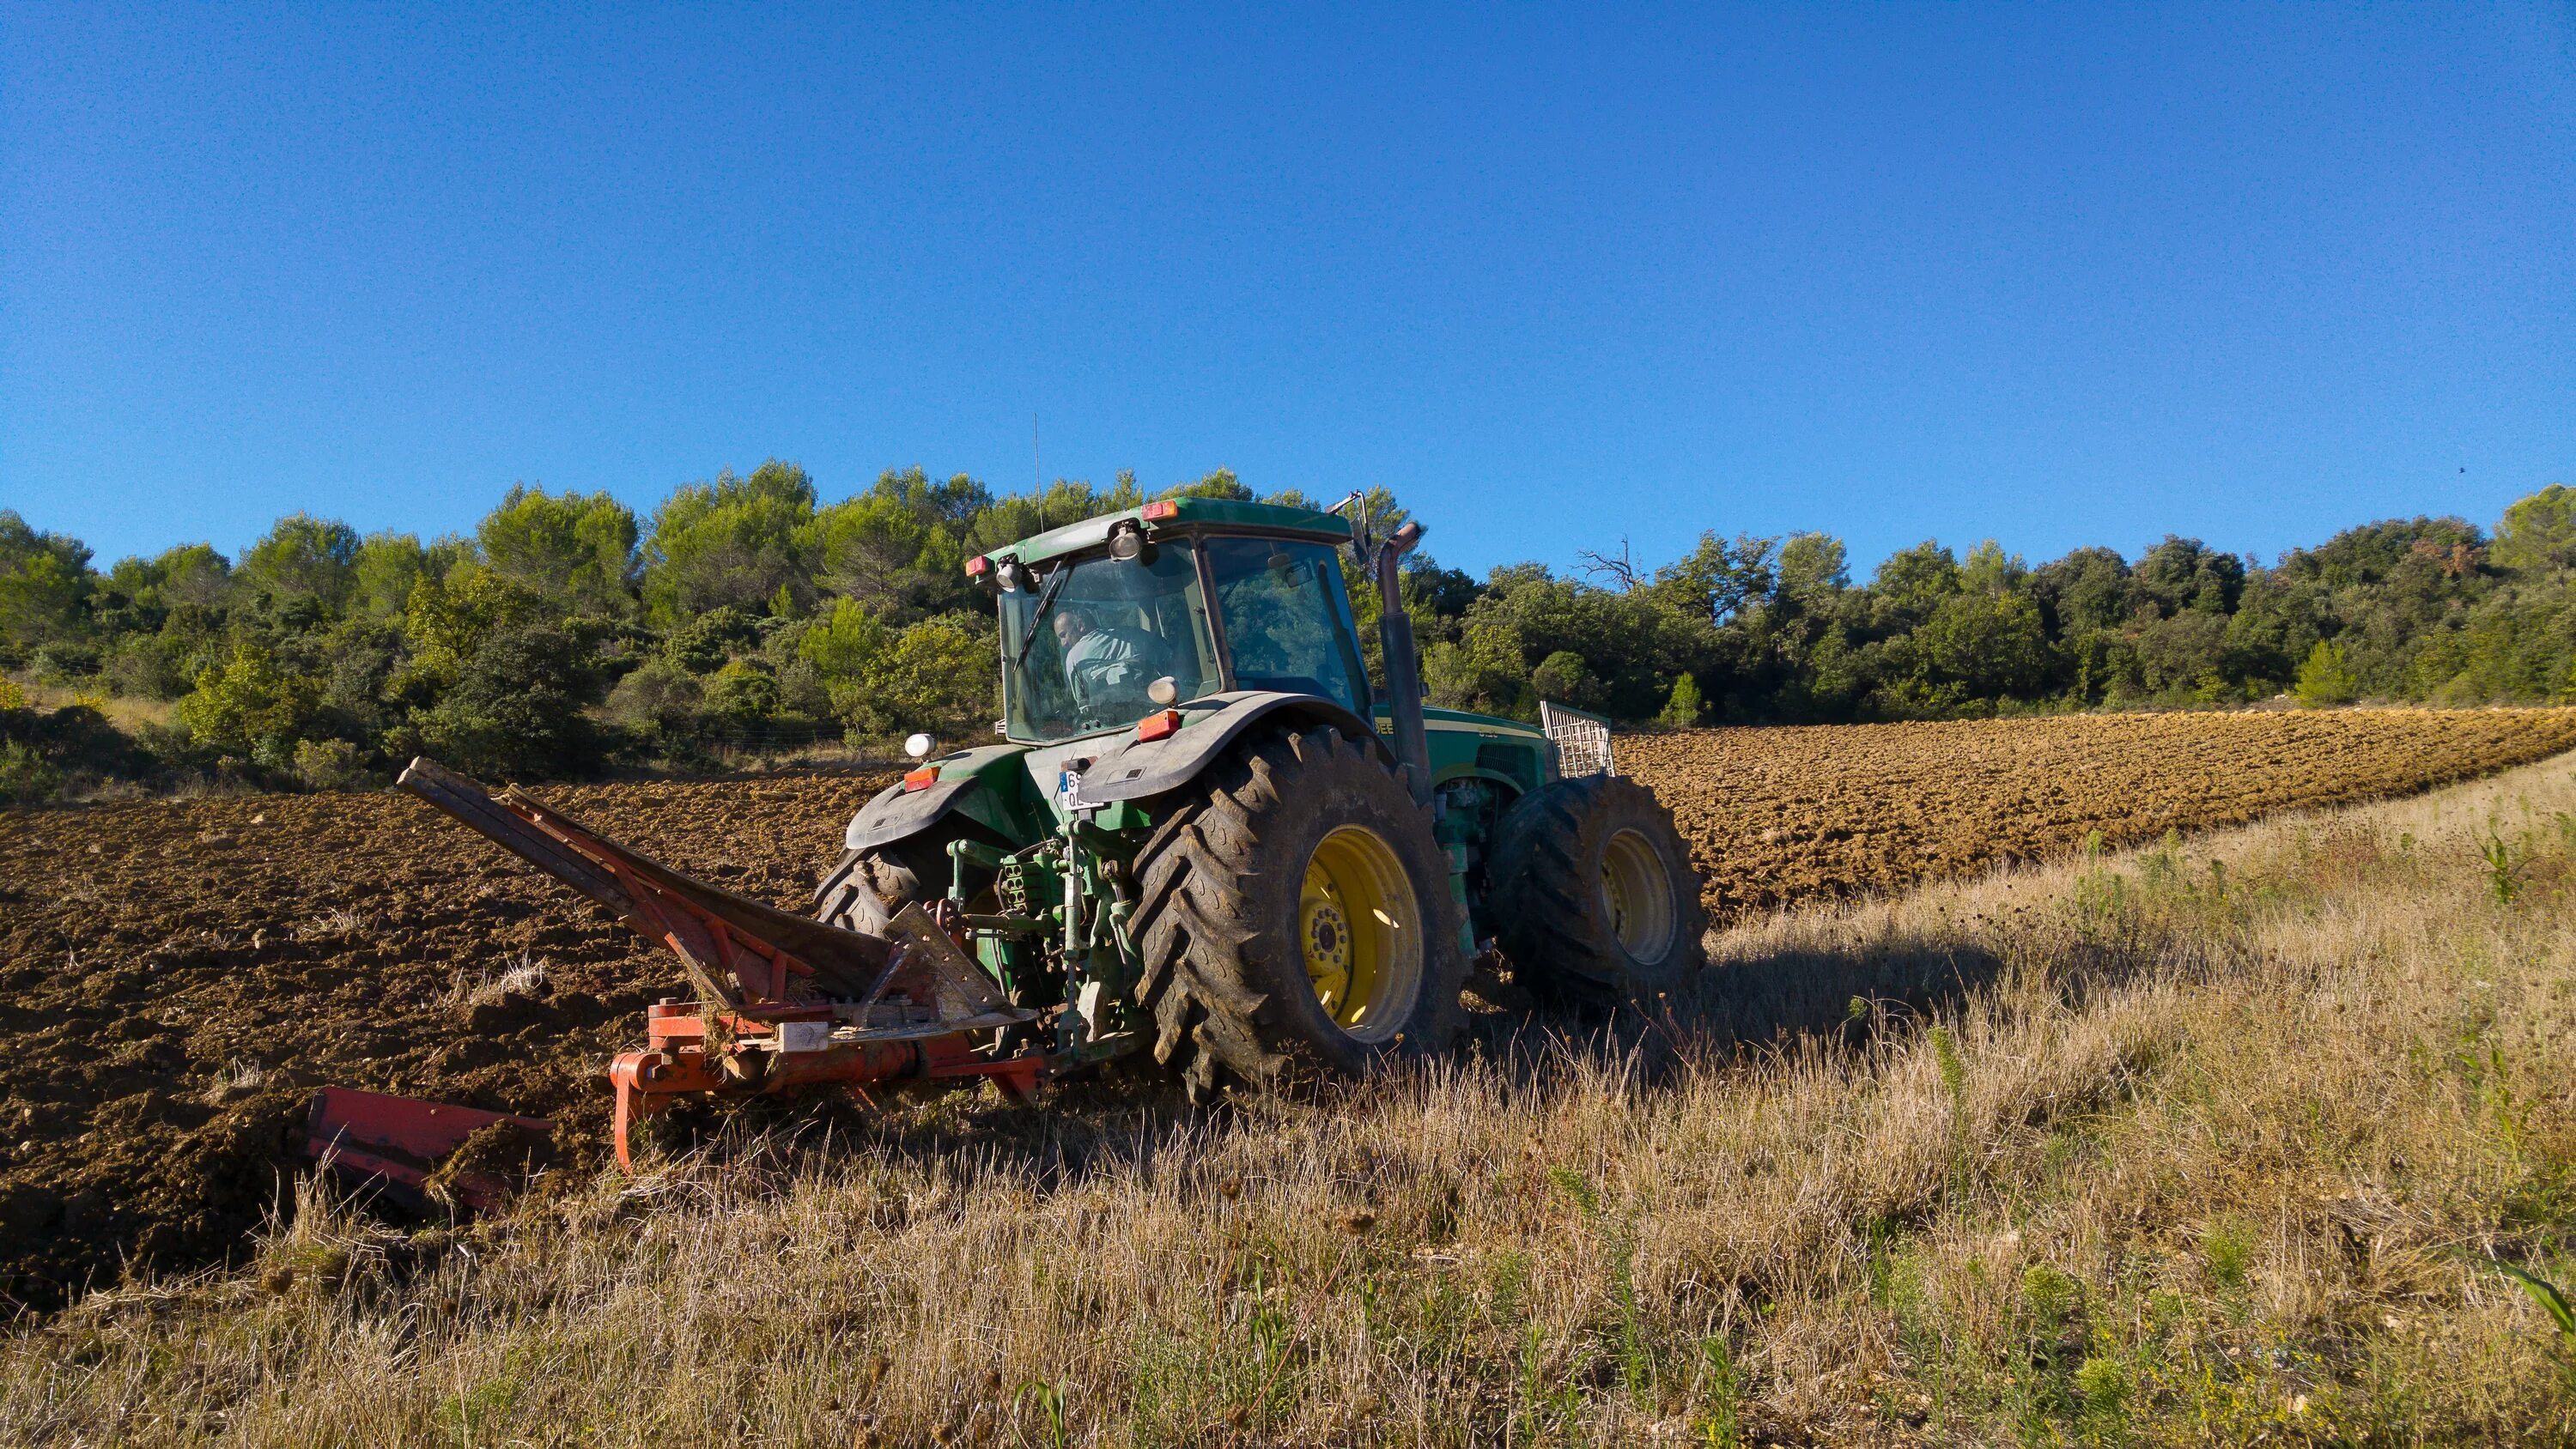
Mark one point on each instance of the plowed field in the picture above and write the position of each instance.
(171, 972)
(1782, 815)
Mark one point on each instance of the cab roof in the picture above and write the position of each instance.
(1181, 515)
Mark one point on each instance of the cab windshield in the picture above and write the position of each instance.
(1287, 618)
(1111, 627)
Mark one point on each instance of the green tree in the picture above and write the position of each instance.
(1683, 708)
(2539, 532)
(517, 706)
(251, 706)
(45, 582)
(937, 676)
(2325, 678)
(841, 644)
(448, 619)
(1221, 484)
(734, 541)
(1813, 568)
(388, 565)
(900, 548)
(579, 548)
(1990, 643)
(1062, 502)
(304, 558)
(1566, 679)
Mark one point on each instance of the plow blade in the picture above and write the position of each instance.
(409, 1148)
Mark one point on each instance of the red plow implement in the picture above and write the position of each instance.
(782, 1001)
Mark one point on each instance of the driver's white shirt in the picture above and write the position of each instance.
(1102, 665)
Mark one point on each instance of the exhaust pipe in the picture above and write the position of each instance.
(1403, 662)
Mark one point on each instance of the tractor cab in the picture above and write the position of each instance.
(1110, 620)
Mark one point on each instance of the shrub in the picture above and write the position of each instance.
(248, 703)
(1563, 677)
(937, 675)
(2325, 678)
(26, 777)
(1683, 709)
(742, 694)
(329, 765)
(517, 708)
(65, 660)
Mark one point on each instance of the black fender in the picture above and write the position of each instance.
(964, 787)
(1137, 769)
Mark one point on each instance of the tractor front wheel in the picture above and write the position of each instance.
(1593, 896)
(1295, 920)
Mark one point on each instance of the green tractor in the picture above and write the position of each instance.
(1206, 834)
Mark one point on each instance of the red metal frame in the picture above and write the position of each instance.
(750, 980)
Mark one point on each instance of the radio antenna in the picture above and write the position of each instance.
(1037, 471)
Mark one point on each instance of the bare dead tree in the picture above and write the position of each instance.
(1621, 571)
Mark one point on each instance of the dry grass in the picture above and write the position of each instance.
(2202, 1144)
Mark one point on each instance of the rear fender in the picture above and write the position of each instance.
(980, 785)
(1134, 769)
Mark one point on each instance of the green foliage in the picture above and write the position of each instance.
(2325, 678)
(1683, 707)
(2228, 1246)
(26, 776)
(516, 706)
(329, 765)
(250, 705)
(2539, 533)
(749, 609)
(737, 541)
(576, 548)
(938, 675)
(303, 558)
(2546, 1294)
(44, 581)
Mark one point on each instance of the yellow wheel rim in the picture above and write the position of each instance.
(1361, 933)
(1637, 896)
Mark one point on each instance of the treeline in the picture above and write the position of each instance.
(565, 636)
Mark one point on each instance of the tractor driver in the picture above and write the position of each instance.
(1108, 665)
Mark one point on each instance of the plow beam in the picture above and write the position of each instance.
(738, 952)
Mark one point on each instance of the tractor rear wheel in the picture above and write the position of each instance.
(1295, 920)
(1592, 893)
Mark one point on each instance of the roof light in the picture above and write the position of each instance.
(977, 566)
(1161, 725)
(1160, 509)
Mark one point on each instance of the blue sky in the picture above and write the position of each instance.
(2061, 275)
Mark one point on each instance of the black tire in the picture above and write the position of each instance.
(1557, 914)
(865, 889)
(1220, 918)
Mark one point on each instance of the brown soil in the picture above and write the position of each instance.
(1782, 815)
(173, 974)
